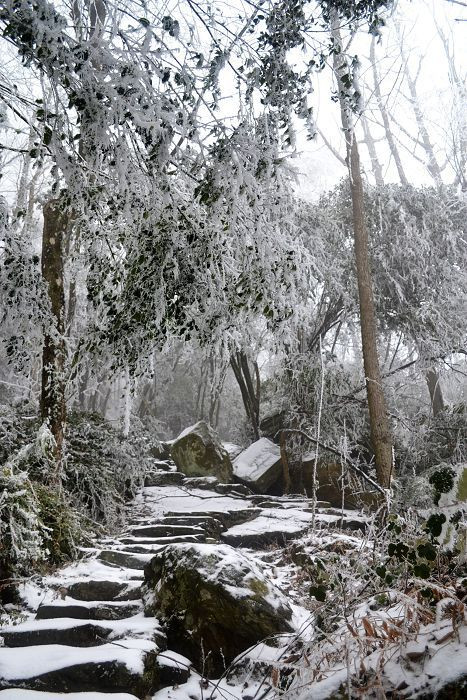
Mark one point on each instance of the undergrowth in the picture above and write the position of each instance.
(42, 524)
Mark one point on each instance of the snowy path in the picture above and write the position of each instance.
(86, 636)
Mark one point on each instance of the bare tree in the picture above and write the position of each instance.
(379, 420)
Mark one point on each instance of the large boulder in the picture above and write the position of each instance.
(214, 602)
(259, 466)
(197, 451)
(329, 477)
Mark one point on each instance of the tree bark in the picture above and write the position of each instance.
(436, 394)
(52, 400)
(250, 391)
(370, 144)
(380, 429)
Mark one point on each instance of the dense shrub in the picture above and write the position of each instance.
(41, 524)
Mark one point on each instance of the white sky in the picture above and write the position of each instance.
(319, 169)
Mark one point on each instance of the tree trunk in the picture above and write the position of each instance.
(384, 115)
(380, 430)
(370, 144)
(250, 391)
(432, 164)
(52, 400)
(436, 394)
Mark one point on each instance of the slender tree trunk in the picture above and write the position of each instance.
(52, 400)
(370, 144)
(436, 394)
(432, 165)
(249, 389)
(384, 115)
(380, 430)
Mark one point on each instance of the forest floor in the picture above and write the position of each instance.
(81, 633)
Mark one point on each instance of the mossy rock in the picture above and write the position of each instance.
(215, 602)
(198, 452)
(329, 476)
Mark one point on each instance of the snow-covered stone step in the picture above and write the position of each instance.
(285, 504)
(227, 517)
(124, 559)
(155, 545)
(165, 530)
(127, 667)
(164, 478)
(80, 633)
(104, 590)
(79, 610)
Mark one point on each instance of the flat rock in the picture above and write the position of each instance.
(259, 466)
(87, 612)
(126, 667)
(265, 530)
(89, 590)
(164, 478)
(156, 544)
(239, 490)
(79, 635)
(165, 530)
(124, 559)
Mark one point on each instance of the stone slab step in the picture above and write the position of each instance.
(124, 668)
(165, 530)
(104, 590)
(124, 559)
(284, 505)
(211, 525)
(157, 544)
(85, 634)
(228, 518)
(82, 633)
(77, 611)
(260, 539)
(164, 478)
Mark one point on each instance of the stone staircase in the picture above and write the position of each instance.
(87, 630)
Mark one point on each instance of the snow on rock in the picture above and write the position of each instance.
(37, 660)
(160, 501)
(232, 449)
(135, 626)
(197, 451)
(215, 601)
(199, 688)
(273, 525)
(259, 466)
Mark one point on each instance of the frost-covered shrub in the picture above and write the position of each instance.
(62, 525)
(17, 427)
(21, 541)
(37, 523)
(103, 468)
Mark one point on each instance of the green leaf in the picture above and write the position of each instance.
(381, 571)
(421, 570)
(434, 524)
(427, 551)
(319, 592)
